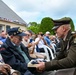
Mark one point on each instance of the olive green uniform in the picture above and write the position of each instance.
(67, 56)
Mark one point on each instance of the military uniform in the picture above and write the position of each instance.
(67, 54)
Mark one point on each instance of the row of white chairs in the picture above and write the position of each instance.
(48, 52)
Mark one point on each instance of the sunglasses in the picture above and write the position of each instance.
(27, 35)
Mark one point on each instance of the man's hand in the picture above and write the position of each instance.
(1, 42)
(41, 66)
(5, 69)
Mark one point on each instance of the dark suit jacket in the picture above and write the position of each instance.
(13, 57)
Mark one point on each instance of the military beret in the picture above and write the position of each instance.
(62, 21)
(15, 31)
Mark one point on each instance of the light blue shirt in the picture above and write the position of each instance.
(47, 40)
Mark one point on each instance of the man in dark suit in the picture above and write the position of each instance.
(67, 56)
(14, 52)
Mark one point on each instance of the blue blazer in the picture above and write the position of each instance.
(14, 58)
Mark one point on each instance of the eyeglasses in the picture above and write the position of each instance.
(27, 35)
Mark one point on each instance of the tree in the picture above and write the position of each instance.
(34, 27)
(72, 25)
(46, 25)
(33, 23)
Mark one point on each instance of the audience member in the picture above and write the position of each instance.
(3, 37)
(14, 52)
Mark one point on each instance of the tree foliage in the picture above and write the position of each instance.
(72, 25)
(34, 27)
(33, 23)
(46, 25)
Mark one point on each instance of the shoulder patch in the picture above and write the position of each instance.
(74, 40)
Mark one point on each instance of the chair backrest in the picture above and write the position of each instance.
(53, 47)
(48, 52)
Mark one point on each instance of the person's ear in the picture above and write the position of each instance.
(64, 29)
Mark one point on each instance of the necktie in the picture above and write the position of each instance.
(23, 54)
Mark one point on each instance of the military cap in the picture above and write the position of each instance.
(62, 21)
(15, 31)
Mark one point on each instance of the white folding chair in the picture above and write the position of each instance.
(48, 52)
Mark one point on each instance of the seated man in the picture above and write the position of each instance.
(14, 52)
(66, 57)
